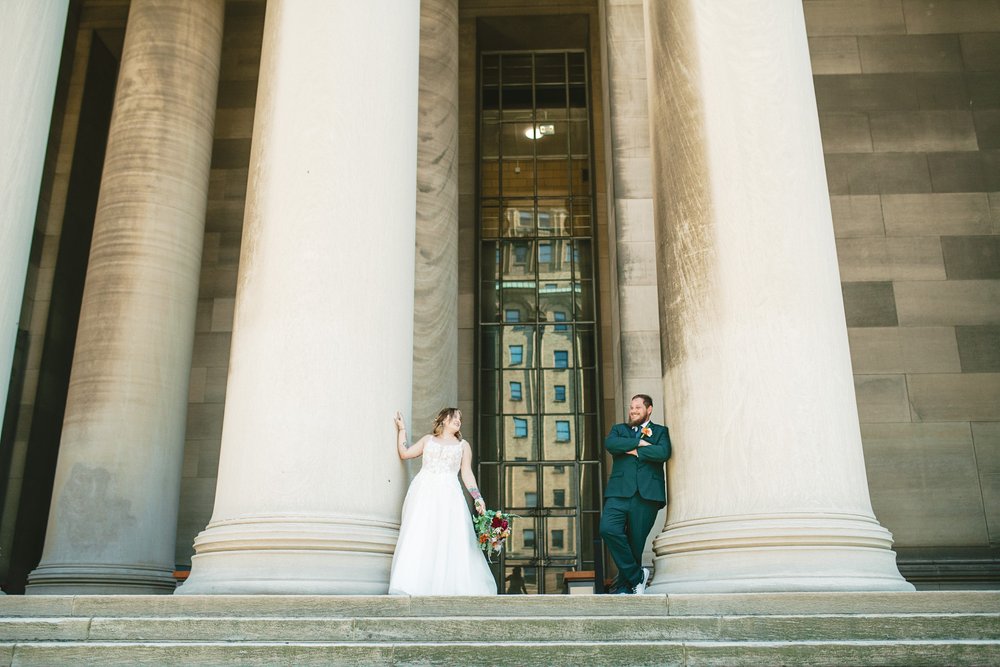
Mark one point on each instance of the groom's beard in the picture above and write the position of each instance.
(636, 422)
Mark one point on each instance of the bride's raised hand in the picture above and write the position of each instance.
(398, 419)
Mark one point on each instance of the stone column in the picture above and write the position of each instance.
(114, 504)
(767, 482)
(32, 36)
(310, 485)
(435, 306)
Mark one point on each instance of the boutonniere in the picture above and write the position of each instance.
(647, 432)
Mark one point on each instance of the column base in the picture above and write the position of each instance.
(293, 556)
(776, 553)
(93, 579)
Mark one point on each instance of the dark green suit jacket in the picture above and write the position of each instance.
(642, 474)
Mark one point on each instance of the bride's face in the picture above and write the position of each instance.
(454, 423)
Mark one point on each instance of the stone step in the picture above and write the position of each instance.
(351, 606)
(860, 627)
(305, 654)
(931, 628)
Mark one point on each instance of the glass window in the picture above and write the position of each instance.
(538, 361)
(516, 354)
(562, 430)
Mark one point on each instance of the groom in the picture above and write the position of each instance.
(636, 490)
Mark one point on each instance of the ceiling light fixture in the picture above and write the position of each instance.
(539, 131)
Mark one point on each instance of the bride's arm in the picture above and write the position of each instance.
(406, 450)
(469, 479)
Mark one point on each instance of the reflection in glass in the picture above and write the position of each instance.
(520, 437)
(519, 346)
(489, 302)
(585, 342)
(538, 383)
(519, 396)
(489, 177)
(559, 438)
(489, 391)
(489, 347)
(489, 216)
(519, 218)
(583, 292)
(488, 443)
(557, 391)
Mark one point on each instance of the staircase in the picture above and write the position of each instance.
(932, 628)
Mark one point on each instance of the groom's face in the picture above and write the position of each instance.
(638, 412)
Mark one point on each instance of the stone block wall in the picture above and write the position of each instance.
(908, 93)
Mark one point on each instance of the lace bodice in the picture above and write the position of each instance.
(442, 458)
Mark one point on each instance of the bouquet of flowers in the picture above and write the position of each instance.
(493, 528)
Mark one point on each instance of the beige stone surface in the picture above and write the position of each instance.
(980, 51)
(910, 53)
(913, 131)
(932, 462)
(955, 397)
(986, 439)
(324, 516)
(435, 299)
(845, 132)
(29, 64)
(853, 17)
(994, 199)
(936, 214)
(881, 398)
(886, 350)
(857, 215)
(932, 16)
(951, 302)
(894, 258)
(834, 55)
(114, 503)
(727, 316)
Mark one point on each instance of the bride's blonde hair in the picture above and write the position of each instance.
(444, 415)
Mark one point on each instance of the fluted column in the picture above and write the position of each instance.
(32, 35)
(114, 504)
(435, 324)
(767, 481)
(310, 485)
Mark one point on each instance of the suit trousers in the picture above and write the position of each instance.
(625, 525)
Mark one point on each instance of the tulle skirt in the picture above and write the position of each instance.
(437, 552)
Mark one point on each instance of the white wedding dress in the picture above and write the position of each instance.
(437, 552)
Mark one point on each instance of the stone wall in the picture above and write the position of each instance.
(909, 102)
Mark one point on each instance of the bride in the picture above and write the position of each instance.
(437, 552)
